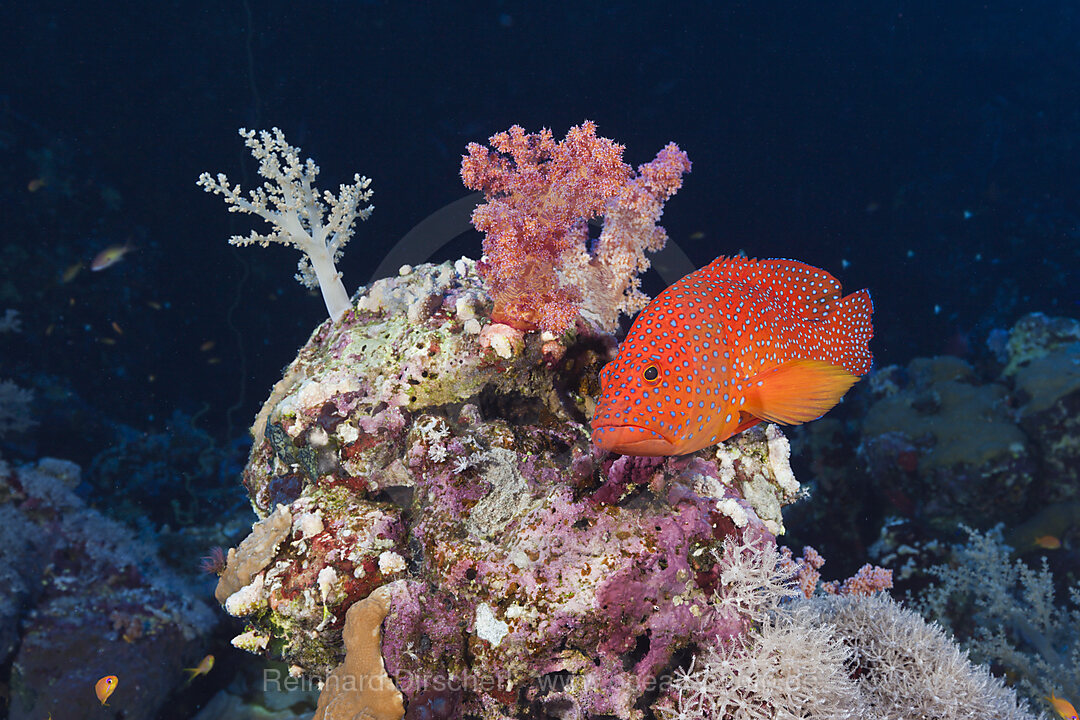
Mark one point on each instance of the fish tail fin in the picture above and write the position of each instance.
(847, 332)
(797, 391)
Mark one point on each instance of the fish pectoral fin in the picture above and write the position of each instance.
(797, 391)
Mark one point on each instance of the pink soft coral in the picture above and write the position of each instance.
(541, 195)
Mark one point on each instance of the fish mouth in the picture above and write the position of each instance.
(631, 440)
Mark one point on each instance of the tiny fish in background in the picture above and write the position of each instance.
(734, 343)
(205, 665)
(1064, 708)
(110, 256)
(1047, 542)
(71, 272)
(105, 687)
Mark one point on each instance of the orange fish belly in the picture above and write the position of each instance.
(728, 346)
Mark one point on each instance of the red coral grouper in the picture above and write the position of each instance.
(737, 342)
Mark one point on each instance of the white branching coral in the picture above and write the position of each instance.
(778, 668)
(825, 658)
(1011, 617)
(289, 201)
(784, 670)
(829, 658)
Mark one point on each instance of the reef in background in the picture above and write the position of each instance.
(84, 598)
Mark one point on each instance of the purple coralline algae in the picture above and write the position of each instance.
(416, 446)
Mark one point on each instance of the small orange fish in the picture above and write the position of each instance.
(207, 346)
(105, 687)
(737, 342)
(204, 666)
(1064, 708)
(36, 184)
(110, 256)
(1047, 542)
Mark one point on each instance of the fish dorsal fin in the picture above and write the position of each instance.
(807, 291)
(797, 391)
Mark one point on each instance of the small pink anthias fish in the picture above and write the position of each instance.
(110, 256)
(737, 342)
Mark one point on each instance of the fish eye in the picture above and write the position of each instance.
(651, 373)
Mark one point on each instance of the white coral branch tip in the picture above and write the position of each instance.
(294, 208)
